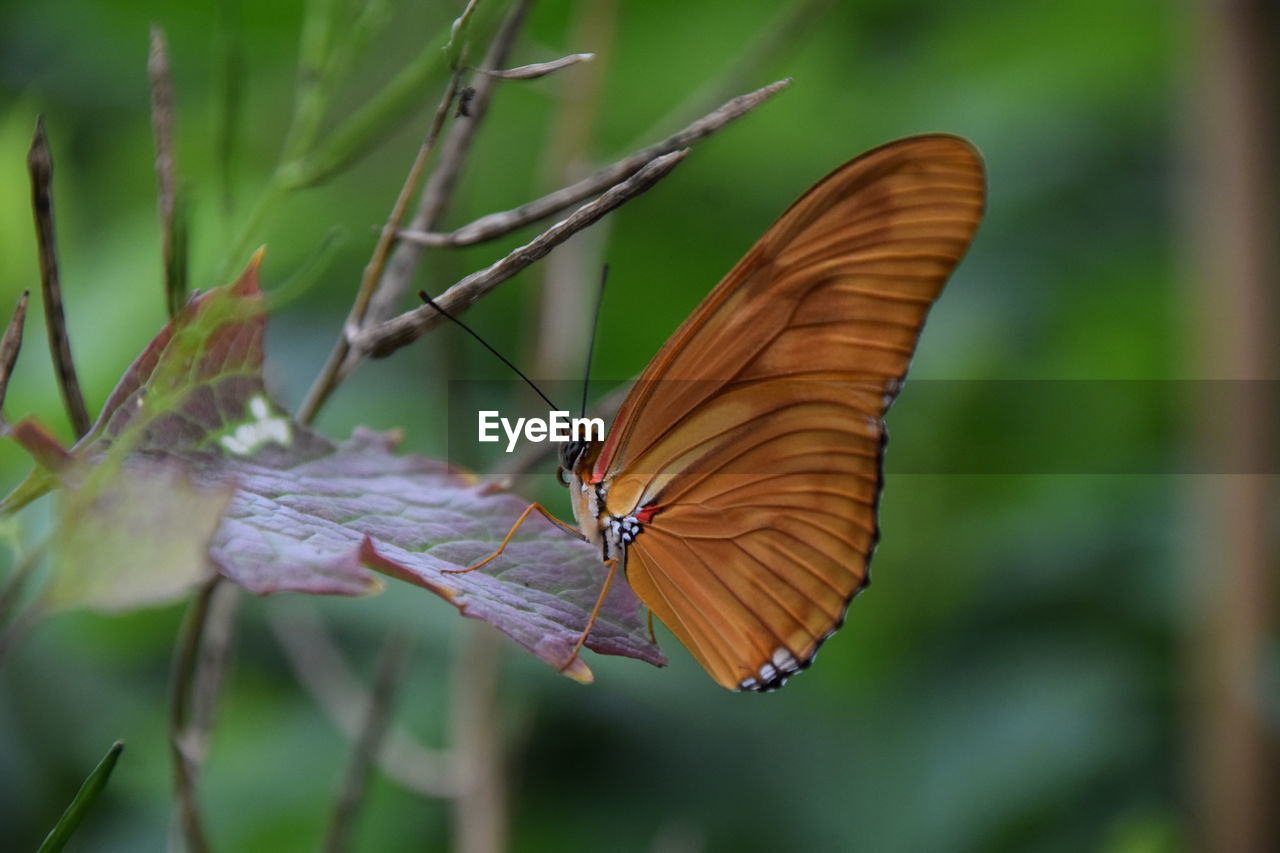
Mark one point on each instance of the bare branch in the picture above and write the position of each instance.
(330, 373)
(322, 670)
(496, 225)
(11, 346)
(172, 231)
(539, 69)
(386, 338)
(40, 168)
(396, 281)
(390, 667)
(435, 196)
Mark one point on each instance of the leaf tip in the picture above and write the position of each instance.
(248, 283)
(372, 559)
(578, 670)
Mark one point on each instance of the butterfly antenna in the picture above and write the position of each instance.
(591, 342)
(422, 294)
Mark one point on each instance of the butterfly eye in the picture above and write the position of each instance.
(562, 475)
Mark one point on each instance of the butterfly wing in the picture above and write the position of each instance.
(751, 446)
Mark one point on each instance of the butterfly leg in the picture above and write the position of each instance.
(512, 532)
(612, 565)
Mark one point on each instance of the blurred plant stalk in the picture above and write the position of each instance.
(1232, 221)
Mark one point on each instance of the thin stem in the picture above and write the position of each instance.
(561, 327)
(330, 373)
(312, 87)
(272, 194)
(211, 668)
(538, 69)
(496, 225)
(173, 243)
(386, 338)
(307, 160)
(783, 32)
(391, 665)
(1232, 220)
(10, 346)
(458, 32)
(479, 807)
(321, 668)
(186, 656)
(302, 279)
(394, 277)
(397, 280)
(40, 168)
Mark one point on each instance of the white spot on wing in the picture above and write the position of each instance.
(785, 661)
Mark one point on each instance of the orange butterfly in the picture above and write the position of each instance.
(737, 490)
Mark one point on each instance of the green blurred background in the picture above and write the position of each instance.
(1020, 675)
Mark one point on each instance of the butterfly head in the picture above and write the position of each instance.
(571, 453)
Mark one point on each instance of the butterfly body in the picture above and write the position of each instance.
(738, 488)
(600, 521)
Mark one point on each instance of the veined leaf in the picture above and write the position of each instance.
(191, 468)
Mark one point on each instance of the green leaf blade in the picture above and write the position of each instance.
(85, 798)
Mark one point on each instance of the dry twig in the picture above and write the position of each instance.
(386, 338)
(538, 69)
(496, 225)
(40, 168)
(330, 374)
(439, 188)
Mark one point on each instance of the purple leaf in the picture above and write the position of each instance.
(190, 456)
(313, 526)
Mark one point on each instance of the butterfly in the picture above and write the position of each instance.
(737, 490)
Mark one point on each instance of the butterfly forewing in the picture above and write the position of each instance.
(753, 441)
